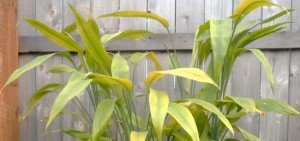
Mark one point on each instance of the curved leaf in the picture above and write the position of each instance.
(103, 113)
(276, 106)
(55, 36)
(37, 61)
(138, 56)
(61, 68)
(158, 103)
(248, 136)
(71, 90)
(78, 134)
(212, 108)
(189, 73)
(37, 97)
(185, 119)
(262, 58)
(70, 28)
(127, 34)
(119, 67)
(278, 15)
(247, 103)
(104, 79)
(138, 136)
(140, 14)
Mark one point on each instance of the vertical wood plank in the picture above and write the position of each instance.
(133, 23)
(294, 96)
(184, 58)
(44, 107)
(100, 7)
(164, 8)
(296, 16)
(218, 8)
(270, 11)
(82, 6)
(189, 15)
(26, 10)
(9, 104)
(27, 88)
(273, 127)
(246, 83)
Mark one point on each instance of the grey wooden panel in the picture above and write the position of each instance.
(100, 7)
(283, 40)
(294, 96)
(296, 16)
(26, 10)
(133, 23)
(246, 83)
(218, 9)
(270, 11)
(26, 88)
(44, 107)
(81, 5)
(164, 8)
(189, 15)
(273, 127)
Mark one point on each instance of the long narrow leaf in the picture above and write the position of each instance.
(127, 34)
(108, 80)
(119, 67)
(276, 106)
(103, 113)
(158, 103)
(138, 136)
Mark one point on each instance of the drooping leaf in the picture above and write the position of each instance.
(158, 103)
(276, 16)
(247, 103)
(70, 28)
(71, 90)
(247, 6)
(127, 34)
(119, 67)
(103, 114)
(138, 136)
(61, 68)
(140, 14)
(82, 135)
(37, 61)
(212, 108)
(138, 56)
(189, 73)
(37, 97)
(220, 35)
(184, 117)
(108, 80)
(91, 41)
(265, 63)
(248, 136)
(276, 106)
(55, 36)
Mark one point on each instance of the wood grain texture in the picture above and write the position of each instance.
(273, 127)
(294, 96)
(26, 9)
(27, 87)
(218, 9)
(296, 16)
(100, 7)
(164, 8)
(44, 107)
(83, 6)
(9, 102)
(133, 23)
(246, 83)
(189, 17)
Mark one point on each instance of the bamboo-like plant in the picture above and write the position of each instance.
(204, 114)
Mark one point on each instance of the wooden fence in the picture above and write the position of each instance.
(248, 78)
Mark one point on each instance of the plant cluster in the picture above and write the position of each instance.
(200, 114)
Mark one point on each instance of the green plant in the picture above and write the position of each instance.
(204, 114)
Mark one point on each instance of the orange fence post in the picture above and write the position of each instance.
(9, 127)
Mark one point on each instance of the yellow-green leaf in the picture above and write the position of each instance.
(55, 36)
(189, 73)
(276, 106)
(158, 103)
(138, 56)
(82, 135)
(37, 61)
(127, 34)
(185, 119)
(262, 58)
(212, 108)
(247, 6)
(108, 80)
(103, 114)
(248, 136)
(61, 68)
(138, 136)
(72, 89)
(119, 67)
(246, 103)
(140, 14)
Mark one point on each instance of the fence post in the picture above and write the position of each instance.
(9, 127)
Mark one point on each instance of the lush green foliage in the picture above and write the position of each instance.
(204, 114)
